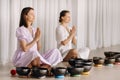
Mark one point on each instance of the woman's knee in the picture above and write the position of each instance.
(37, 58)
(74, 51)
(35, 61)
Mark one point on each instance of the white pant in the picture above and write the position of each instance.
(84, 53)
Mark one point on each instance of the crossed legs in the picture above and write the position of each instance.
(73, 53)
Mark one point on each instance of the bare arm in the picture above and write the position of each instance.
(38, 45)
(70, 37)
(74, 41)
(67, 40)
(26, 46)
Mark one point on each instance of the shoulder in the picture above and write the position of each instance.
(60, 27)
(19, 29)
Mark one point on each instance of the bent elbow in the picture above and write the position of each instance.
(63, 43)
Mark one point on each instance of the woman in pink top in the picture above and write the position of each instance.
(28, 38)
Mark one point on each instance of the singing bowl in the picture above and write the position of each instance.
(117, 59)
(88, 62)
(98, 60)
(23, 71)
(109, 60)
(57, 71)
(75, 70)
(109, 54)
(76, 62)
(39, 72)
(87, 67)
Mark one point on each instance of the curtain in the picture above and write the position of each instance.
(103, 26)
(97, 23)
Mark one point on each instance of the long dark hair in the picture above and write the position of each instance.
(62, 14)
(22, 18)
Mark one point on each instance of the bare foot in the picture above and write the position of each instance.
(49, 69)
(46, 66)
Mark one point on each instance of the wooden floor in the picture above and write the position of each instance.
(102, 73)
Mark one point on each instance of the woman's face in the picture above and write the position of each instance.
(30, 16)
(66, 18)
